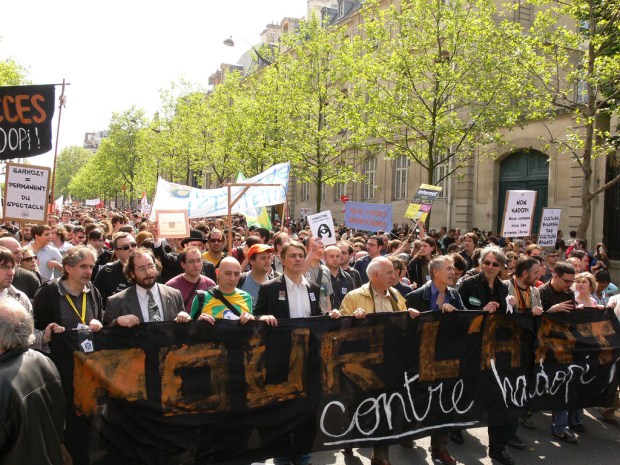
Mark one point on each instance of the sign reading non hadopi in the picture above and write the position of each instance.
(25, 193)
(518, 213)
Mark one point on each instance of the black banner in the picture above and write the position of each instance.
(26, 114)
(167, 393)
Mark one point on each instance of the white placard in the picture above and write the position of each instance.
(518, 213)
(25, 193)
(549, 226)
(322, 227)
(92, 202)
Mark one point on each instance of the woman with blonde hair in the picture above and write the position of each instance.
(585, 286)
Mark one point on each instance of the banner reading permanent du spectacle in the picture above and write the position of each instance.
(214, 202)
(26, 114)
(232, 394)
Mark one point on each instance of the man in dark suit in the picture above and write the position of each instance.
(290, 296)
(146, 300)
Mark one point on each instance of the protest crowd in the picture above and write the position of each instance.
(90, 268)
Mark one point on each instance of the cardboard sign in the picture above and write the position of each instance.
(368, 216)
(26, 120)
(322, 227)
(25, 193)
(518, 213)
(172, 223)
(422, 202)
(549, 226)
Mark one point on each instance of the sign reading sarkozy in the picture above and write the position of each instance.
(26, 120)
(229, 393)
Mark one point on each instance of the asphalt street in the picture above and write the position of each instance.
(599, 445)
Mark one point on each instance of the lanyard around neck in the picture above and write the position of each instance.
(83, 316)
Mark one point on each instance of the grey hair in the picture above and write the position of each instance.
(438, 263)
(499, 254)
(76, 254)
(374, 265)
(16, 325)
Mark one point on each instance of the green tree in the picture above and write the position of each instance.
(12, 73)
(443, 80)
(580, 40)
(70, 161)
(319, 121)
(123, 163)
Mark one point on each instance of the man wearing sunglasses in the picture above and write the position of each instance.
(216, 248)
(111, 278)
(486, 291)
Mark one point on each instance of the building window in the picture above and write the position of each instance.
(581, 92)
(339, 190)
(401, 170)
(439, 178)
(370, 173)
(305, 192)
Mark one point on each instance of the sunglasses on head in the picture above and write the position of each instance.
(490, 263)
(133, 245)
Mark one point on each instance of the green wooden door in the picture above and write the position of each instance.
(524, 170)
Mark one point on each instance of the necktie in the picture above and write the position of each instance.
(153, 308)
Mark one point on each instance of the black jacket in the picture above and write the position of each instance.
(273, 299)
(475, 293)
(32, 409)
(46, 305)
(172, 268)
(111, 280)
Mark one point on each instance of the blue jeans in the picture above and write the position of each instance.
(561, 419)
(302, 459)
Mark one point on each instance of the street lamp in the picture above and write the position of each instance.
(262, 61)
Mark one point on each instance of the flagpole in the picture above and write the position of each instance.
(61, 103)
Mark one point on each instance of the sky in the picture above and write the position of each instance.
(118, 54)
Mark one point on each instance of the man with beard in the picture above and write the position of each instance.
(522, 287)
(145, 301)
(25, 235)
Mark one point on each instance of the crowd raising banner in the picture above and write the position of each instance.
(26, 114)
(197, 393)
(214, 202)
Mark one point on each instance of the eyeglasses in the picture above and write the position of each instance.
(216, 240)
(7, 267)
(490, 263)
(194, 262)
(126, 247)
(144, 269)
(29, 259)
(567, 281)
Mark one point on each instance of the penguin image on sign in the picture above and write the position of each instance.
(324, 231)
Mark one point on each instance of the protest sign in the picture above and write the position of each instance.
(172, 223)
(25, 193)
(518, 213)
(422, 202)
(322, 227)
(243, 393)
(92, 202)
(214, 202)
(26, 114)
(549, 225)
(368, 216)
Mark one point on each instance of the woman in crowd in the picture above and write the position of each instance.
(585, 286)
(418, 266)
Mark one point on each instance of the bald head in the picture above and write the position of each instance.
(13, 245)
(228, 274)
(380, 271)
